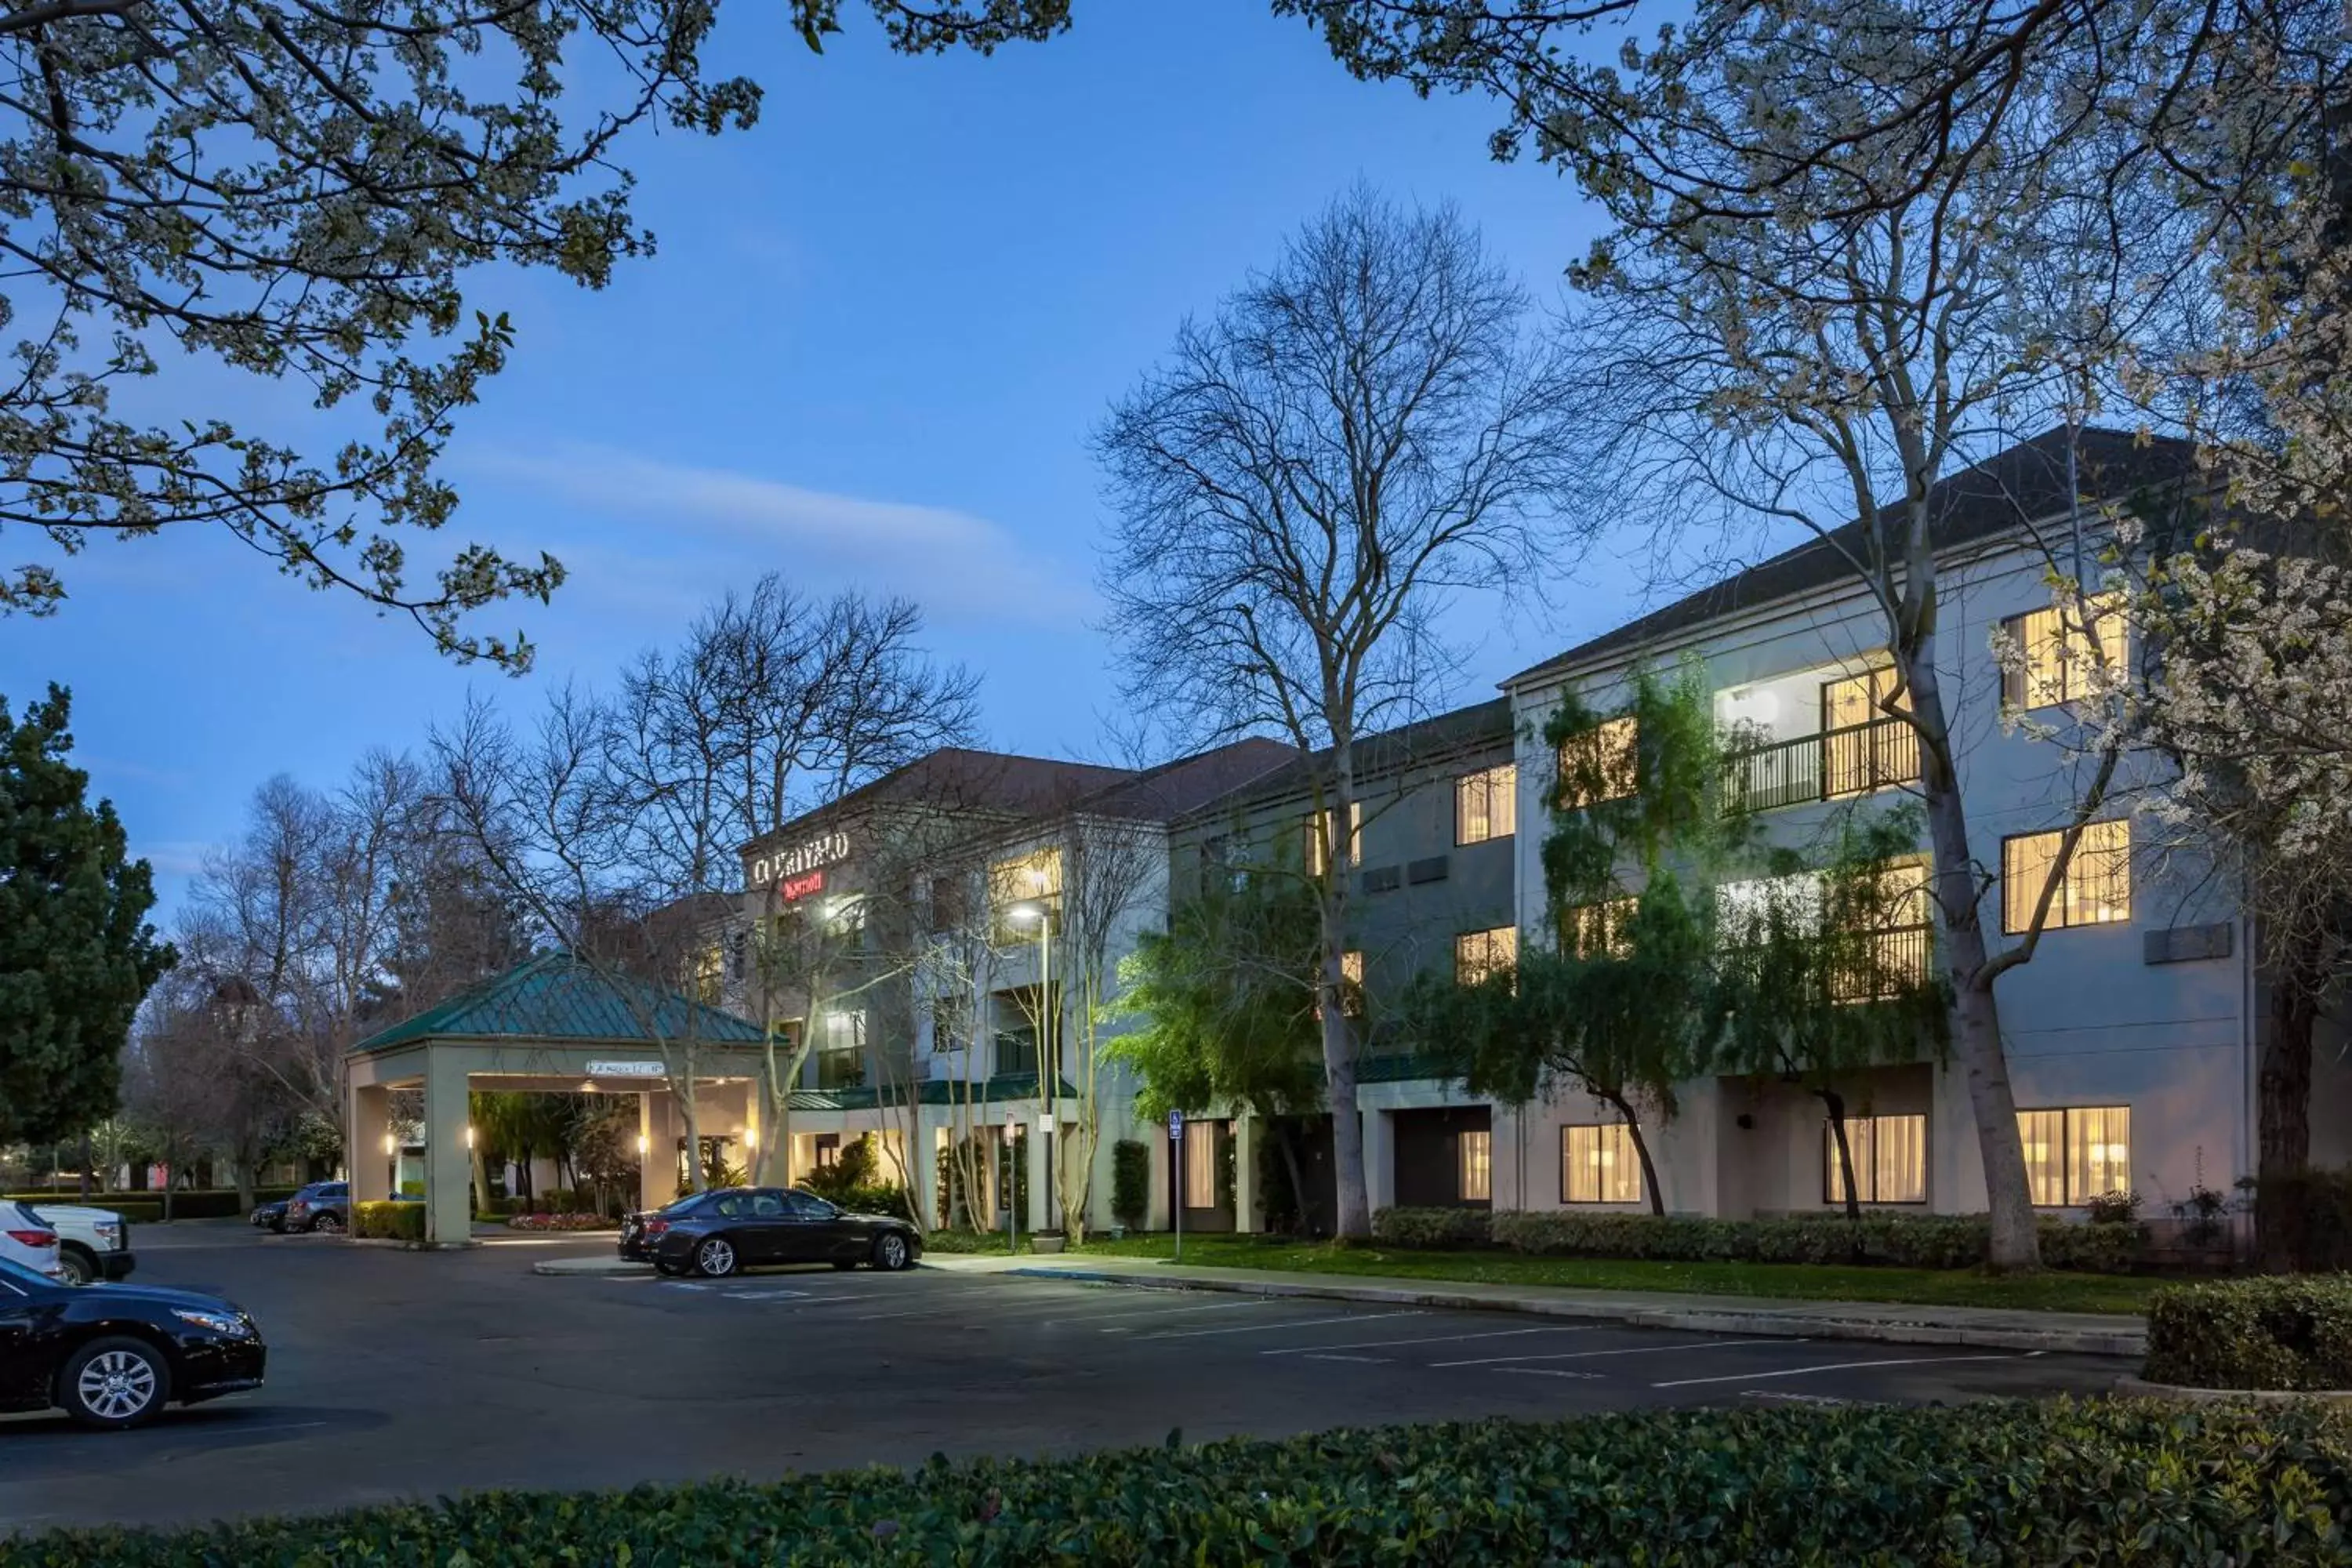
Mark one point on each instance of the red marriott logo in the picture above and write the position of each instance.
(801, 887)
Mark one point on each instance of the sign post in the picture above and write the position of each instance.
(1176, 1148)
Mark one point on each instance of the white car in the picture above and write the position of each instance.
(25, 1239)
(92, 1244)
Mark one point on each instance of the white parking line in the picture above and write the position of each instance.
(1831, 1366)
(1363, 1360)
(1637, 1350)
(771, 1295)
(1425, 1340)
(1262, 1328)
(1551, 1371)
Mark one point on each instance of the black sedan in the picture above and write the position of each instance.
(724, 1232)
(114, 1356)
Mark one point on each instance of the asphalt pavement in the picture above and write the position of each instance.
(398, 1375)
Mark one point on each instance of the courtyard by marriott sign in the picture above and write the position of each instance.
(800, 859)
(624, 1070)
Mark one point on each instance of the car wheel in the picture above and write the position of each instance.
(332, 1223)
(715, 1258)
(114, 1383)
(891, 1252)
(77, 1267)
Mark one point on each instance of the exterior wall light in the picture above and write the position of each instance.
(644, 1144)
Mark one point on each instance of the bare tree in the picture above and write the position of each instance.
(1356, 435)
(1115, 864)
(1810, 369)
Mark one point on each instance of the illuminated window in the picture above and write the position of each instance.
(1034, 879)
(1486, 804)
(1319, 834)
(1598, 931)
(1598, 1165)
(1477, 1172)
(710, 972)
(2059, 662)
(1859, 752)
(2075, 1154)
(1602, 763)
(1351, 985)
(1479, 953)
(1200, 1166)
(2097, 885)
(1890, 1159)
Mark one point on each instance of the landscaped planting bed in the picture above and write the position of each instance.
(2286, 1333)
(2110, 1481)
(1901, 1241)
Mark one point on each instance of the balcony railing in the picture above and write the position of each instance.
(1829, 765)
(1897, 963)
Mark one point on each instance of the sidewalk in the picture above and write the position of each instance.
(2080, 1333)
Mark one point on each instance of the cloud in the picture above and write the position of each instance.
(959, 567)
(172, 857)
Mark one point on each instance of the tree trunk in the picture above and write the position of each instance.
(85, 1168)
(2283, 1096)
(1354, 1220)
(244, 1168)
(1835, 1102)
(1650, 1187)
(2015, 1244)
(1286, 1137)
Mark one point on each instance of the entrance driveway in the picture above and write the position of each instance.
(401, 1374)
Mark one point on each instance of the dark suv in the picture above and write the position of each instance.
(322, 1206)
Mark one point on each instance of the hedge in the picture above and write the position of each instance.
(1911, 1241)
(1130, 1182)
(2278, 1333)
(2110, 1481)
(389, 1221)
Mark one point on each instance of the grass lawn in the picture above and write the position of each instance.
(2051, 1292)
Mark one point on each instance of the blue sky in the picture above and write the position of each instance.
(876, 334)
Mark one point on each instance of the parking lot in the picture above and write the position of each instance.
(397, 1374)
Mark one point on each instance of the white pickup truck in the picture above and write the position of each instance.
(92, 1244)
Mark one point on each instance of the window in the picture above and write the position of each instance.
(841, 1051)
(1486, 804)
(1479, 953)
(828, 1150)
(1859, 752)
(1598, 931)
(2075, 1154)
(1033, 879)
(2098, 886)
(1890, 1160)
(2057, 660)
(1200, 1147)
(1351, 985)
(844, 920)
(1602, 763)
(1319, 834)
(1891, 910)
(1598, 1165)
(1476, 1185)
(710, 971)
(1017, 1050)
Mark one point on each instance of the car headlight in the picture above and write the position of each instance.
(218, 1322)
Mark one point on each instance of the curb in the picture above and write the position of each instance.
(2140, 1388)
(1702, 1320)
(591, 1269)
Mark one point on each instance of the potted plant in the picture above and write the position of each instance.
(1047, 1241)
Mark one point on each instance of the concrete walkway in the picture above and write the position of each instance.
(2081, 1333)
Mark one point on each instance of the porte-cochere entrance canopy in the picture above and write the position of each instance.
(554, 1023)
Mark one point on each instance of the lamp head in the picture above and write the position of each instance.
(1026, 912)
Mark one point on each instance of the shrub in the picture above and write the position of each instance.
(2113, 1208)
(2270, 1333)
(2007, 1482)
(1130, 1182)
(1910, 1241)
(389, 1221)
(964, 1241)
(1431, 1227)
(559, 1222)
(146, 1207)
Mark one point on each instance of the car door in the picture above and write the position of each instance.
(775, 1232)
(25, 1365)
(823, 1236)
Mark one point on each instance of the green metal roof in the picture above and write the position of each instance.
(931, 1091)
(1385, 1068)
(556, 997)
